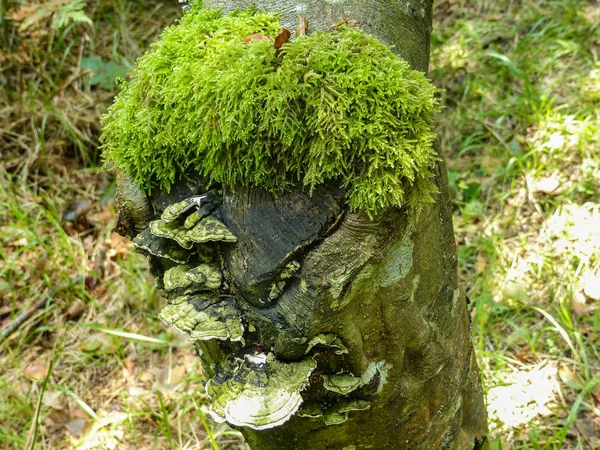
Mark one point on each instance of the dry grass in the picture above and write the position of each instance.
(93, 368)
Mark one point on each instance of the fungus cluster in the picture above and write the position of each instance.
(255, 390)
(182, 233)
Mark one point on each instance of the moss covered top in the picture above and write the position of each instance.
(331, 106)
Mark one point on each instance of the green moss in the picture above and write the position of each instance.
(331, 106)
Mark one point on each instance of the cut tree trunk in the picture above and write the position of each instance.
(356, 329)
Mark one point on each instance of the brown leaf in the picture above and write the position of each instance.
(596, 396)
(480, 264)
(255, 37)
(578, 304)
(75, 310)
(117, 246)
(36, 371)
(178, 373)
(52, 399)
(349, 22)
(570, 378)
(302, 27)
(131, 367)
(282, 38)
(55, 420)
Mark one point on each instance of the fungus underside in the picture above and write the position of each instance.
(334, 105)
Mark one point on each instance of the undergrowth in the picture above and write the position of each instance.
(334, 105)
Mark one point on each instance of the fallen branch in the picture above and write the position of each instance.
(26, 315)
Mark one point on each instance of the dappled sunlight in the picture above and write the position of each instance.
(107, 433)
(591, 84)
(560, 133)
(562, 253)
(525, 392)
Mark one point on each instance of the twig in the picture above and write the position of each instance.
(26, 315)
(302, 27)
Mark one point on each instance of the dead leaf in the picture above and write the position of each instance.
(302, 27)
(20, 242)
(547, 185)
(596, 396)
(349, 22)
(132, 367)
(178, 373)
(98, 343)
(103, 217)
(56, 420)
(256, 37)
(570, 378)
(480, 264)
(36, 371)
(52, 399)
(282, 38)
(75, 310)
(525, 356)
(117, 245)
(578, 304)
(137, 390)
(590, 431)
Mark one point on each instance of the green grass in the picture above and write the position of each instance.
(521, 133)
(520, 130)
(118, 377)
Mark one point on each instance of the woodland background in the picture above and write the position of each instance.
(95, 368)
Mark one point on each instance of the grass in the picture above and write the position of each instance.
(94, 368)
(522, 138)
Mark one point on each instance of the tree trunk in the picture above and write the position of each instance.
(354, 333)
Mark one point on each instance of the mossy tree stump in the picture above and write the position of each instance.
(325, 306)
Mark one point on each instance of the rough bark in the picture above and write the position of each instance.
(368, 311)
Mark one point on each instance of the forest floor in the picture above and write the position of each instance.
(95, 368)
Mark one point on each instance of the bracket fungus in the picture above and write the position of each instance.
(328, 340)
(161, 247)
(187, 279)
(204, 205)
(342, 383)
(208, 229)
(338, 413)
(258, 391)
(203, 319)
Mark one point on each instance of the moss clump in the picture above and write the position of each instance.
(331, 106)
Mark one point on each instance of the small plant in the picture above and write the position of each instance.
(330, 106)
(104, 74)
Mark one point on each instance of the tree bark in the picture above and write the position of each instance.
(369, 311)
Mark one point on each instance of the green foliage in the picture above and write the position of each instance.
(332, 106)
(104, 74)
